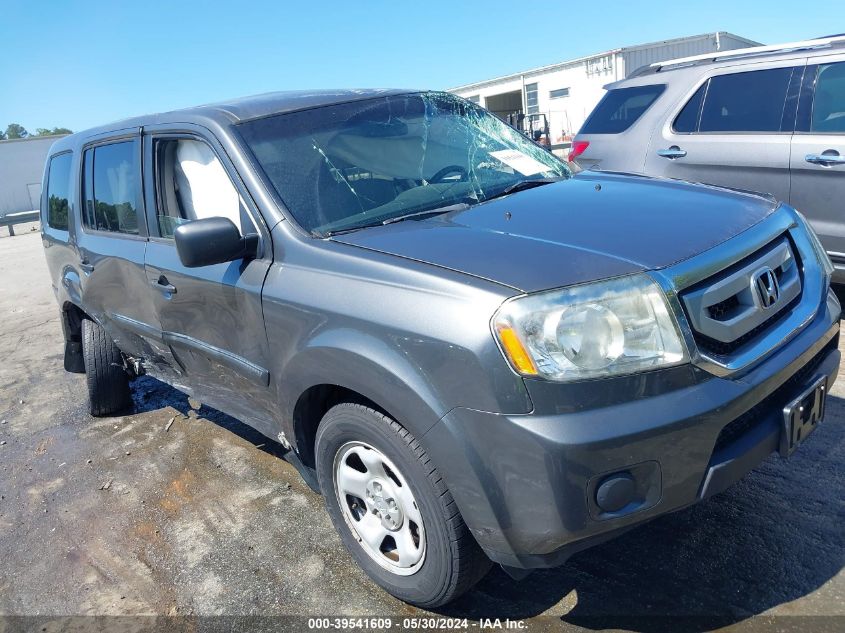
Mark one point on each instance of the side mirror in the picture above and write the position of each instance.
(212, 241)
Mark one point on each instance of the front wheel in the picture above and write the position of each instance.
(393, 510)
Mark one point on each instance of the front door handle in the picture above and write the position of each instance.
(86, 266)
(163, 285)
(672, 153)
(826, 158)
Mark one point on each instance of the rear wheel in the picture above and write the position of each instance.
(108, 382)
(393, 510)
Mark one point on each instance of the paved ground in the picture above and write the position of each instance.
(206, 519)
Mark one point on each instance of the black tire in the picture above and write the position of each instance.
(453, 561)
(108, 382)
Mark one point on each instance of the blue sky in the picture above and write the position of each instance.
(77, 64)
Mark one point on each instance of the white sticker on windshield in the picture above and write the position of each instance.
(522, 163)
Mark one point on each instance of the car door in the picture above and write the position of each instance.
(818, 154)
(111, 240)
(733, 129)
(211, 316)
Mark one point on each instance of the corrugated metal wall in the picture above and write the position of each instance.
(21, 170)
(637, 57)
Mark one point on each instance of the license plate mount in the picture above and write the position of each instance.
(802, 416)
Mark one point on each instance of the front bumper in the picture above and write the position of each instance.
(526, 484)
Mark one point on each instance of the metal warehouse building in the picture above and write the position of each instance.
(21, 170)
(567, 92)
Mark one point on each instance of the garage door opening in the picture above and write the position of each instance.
(504, 104)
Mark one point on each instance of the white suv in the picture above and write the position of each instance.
(770, 118)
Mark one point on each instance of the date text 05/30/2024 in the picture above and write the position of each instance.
(426, 624)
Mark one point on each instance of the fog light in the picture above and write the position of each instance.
(615, 492)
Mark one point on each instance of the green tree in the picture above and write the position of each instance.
(45, 131)
(2, 135)
(16, 130)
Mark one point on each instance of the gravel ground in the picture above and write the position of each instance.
(121, 516)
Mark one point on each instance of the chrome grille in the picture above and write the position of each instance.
(735, 305)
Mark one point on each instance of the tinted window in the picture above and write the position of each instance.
(687, 119)
(746, 102)
(619, 108)
(829, 101)
(58, 191)
(114, 203)
(557, 94)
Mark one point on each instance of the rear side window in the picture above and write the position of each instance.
(58, 191)
(746, 102)
(620, 108)
(829, 101)
(112, 188)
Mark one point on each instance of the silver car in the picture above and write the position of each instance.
(769, 119)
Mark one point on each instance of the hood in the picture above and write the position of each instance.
(592, 226)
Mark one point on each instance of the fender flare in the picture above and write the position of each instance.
(366, 365)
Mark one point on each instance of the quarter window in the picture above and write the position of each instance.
(620, 108)
(58, 191)
(829, 101)
(112, 189)
(687, 119)
(746, 102)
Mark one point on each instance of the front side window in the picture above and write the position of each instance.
(746, 102)
(112, 188)
(829, 101)
(192, 184)
(620, 108)
(351, 165)
(58, 191)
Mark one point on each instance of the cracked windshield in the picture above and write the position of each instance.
(377, 161)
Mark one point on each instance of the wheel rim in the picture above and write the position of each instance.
(379, 508)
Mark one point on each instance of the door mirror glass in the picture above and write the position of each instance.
(212, 241)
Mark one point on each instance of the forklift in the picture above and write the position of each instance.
(534, 126)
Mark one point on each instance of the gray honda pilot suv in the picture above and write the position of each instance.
(474, 355)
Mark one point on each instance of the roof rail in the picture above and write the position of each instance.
(822, 42)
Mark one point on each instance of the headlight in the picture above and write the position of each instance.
(620, 326)
(821, 255)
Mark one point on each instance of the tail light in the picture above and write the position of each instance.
(577, 149)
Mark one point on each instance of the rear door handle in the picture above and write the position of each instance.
(163, 285)
(827, 158)
(672, 153)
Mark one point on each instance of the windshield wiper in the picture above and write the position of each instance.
(428, 212)
(351, 229)
(399, 218)
(522, 185)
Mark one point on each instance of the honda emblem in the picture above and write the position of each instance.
(766, 286)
